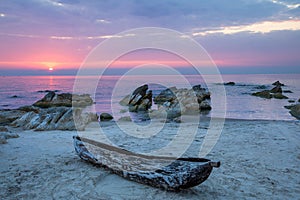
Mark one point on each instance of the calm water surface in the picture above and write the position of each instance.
(16, 91)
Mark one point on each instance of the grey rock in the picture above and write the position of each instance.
(276, 89)
(65, 99)
(279, 96)
(105, 117)
(230, 83)
(8, 116)
(140, 100)
(263, 94)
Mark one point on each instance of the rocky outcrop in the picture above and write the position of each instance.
(295, 111)
(172, 102)
(105, 117)
(52, 112)
(7, 116)
(140, 100)
(51, 99)
(55, 118)
(230, 83)
(275, 92)
(183, 101)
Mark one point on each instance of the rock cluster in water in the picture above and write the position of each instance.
(52, 112)
(275, 92)
(171, 102)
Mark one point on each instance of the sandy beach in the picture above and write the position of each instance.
(260, 160)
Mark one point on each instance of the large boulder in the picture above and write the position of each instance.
(51, 99)
(140, 100)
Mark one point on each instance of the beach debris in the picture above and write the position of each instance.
(105, 117)
(167, 173)
(51, 99)
(275, 92)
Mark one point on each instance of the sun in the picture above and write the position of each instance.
(50, 69)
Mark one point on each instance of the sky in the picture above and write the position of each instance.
(241, 36)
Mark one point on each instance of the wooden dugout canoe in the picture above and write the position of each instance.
(162, 172)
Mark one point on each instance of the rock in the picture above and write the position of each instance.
(230, 83)
(276, 89)
(55, 118)
(7, 116)
(65, 99)
(165, 95)
(279, 96)
(14, 96)
(189, 101)
(291, 101)
(295, 111)
(287, 91)
(7, 135)
(277, 83)
(288, 106)
(298, 100)
(29, 109)
(47, 91)
(105, 117)
(263, 94)
(204, 105)
(140, 100)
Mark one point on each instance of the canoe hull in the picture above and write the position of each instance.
(166, 173)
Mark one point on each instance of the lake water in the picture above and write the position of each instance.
(16, 91)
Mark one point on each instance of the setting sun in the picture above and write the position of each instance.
(50, 68)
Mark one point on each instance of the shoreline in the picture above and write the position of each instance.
(258, 160)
